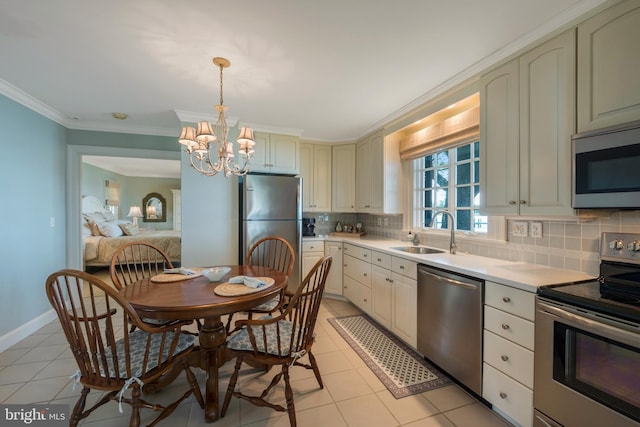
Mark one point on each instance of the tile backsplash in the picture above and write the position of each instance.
(571, 245)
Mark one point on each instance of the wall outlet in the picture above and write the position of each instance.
(519, 228)
(535, 229)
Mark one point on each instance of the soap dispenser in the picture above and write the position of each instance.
(339, 227)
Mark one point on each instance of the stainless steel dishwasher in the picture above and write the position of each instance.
(450, 323)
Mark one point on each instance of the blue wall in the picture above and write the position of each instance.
(33, 176)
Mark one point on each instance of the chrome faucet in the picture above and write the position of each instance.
(452, 243)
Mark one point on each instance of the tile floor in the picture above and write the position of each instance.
(38, 369)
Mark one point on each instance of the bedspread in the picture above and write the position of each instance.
(99, 250)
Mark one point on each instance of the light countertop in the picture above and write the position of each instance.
(519, 275)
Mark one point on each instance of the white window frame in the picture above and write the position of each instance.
(496, 225)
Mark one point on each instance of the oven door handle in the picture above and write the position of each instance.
(609, 328)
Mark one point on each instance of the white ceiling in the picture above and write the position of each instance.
(330, 70)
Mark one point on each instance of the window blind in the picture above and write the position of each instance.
(462, 128)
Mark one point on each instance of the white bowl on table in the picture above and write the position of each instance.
(214, 274)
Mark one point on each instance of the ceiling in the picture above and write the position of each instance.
(330, 70)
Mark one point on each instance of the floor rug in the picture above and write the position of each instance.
(401, 369)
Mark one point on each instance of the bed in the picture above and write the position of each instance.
(102, 234)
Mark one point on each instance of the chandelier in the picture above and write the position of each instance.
(207, 146)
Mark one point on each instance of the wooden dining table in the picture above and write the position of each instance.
(194, 299)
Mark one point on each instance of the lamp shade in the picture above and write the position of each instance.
(246, 135)
(134, 212)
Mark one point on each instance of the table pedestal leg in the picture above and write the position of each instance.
(212, 344)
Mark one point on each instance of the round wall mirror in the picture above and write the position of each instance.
(154, 208)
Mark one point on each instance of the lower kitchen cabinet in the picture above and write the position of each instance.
(334, 280)
(508, 351)
(312, 252)
(356, 281)
(390, 285)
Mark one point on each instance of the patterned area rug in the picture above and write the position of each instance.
(403, 371)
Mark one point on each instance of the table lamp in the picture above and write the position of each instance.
(135, 213)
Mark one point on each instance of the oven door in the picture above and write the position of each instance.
(587, 367)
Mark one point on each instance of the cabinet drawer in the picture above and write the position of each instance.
(380, 259)
(510, 358)
(357, 293)
(404, 267)
(508, 326)
(512, 300)
(508, 395)
(358, 252)
(313, 246)
(357, 269)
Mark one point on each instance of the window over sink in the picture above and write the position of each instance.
(450, 180)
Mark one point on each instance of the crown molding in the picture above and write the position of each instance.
(195, 117)
(272, 129)
(122, 128)
(559, 23)
(23, 98)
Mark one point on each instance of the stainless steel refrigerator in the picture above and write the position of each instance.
(271, 205)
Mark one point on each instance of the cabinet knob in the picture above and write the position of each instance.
(365, 274)
(364, 255)
(379, 259)
(523, 202)
(504, 358)
(402, 267)
(506, 299)
(505, 326)
(512, 202)
(365, 300)
(503, 395)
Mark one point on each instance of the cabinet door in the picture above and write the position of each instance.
(376, 168)
(499, 132)
(404, 322)
(363, 176)
(334, 279)
(309, 260)
(343, 191)
(260, 158)
(322, 178)
(283, 153)
(608, 67)
(547, 121)
(306, 172)
(381, 296)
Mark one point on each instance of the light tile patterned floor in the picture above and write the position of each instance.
(37, 370)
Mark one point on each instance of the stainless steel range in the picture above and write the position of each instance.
(587, 344)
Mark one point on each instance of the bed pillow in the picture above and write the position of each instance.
(86, 230)
(129, 229)
(110, 229)
(93, 226)
(94, 217)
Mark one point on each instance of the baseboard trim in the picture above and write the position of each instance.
(21, 332)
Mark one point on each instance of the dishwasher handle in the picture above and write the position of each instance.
(448, 280)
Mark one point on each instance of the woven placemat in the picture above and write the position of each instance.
(236, 289)
(175, 277)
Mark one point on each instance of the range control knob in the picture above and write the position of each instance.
(633, 246)
(616, 245)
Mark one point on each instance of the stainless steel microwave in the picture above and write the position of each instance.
(606, 168)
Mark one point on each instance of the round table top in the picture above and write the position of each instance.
(195, 299)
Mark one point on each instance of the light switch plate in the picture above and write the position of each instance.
(536, 230)
(519, 228)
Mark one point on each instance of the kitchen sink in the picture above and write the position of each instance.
(418, 250)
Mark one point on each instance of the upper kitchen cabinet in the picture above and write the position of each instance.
(343, 187)
(315, 169)
(526, 121)
(608, 67)
(378, 175)
(275, 153)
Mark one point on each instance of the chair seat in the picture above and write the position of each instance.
(155, 322)
(240, 340)
(267, 307)
(137, 349)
